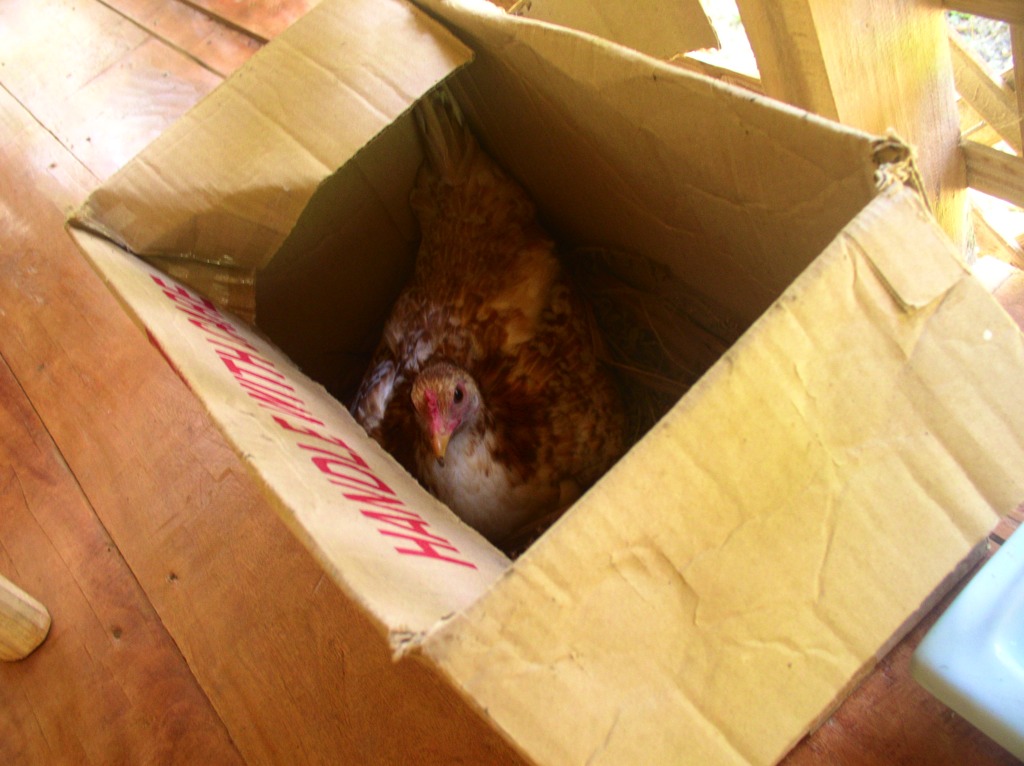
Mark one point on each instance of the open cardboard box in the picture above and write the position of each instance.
(735, 574)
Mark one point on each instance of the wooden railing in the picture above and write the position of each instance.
(992, 113)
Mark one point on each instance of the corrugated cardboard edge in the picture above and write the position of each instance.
(499, 655)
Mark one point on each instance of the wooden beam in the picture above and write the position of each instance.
(974, 127)
(993, 99)
(1010, 11)
(199, 36)
(105, 61)
(876, 65)
(1017, 50)
(263, 19)
(994, 172)
(1010, 295)
(992, 242)
(789, 54)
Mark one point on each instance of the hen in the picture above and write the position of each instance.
(487, 383)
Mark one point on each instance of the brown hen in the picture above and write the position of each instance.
(487, 383)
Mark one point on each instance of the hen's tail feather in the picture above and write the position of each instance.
(449, 145)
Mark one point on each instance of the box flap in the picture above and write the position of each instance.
(226, 183)
(653, 27)
(734, 192)
(812, 491)
(914, 278)
(396, 550)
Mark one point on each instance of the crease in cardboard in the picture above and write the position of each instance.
(960, 440)
(645, 566)
(595, 757)
(642, 563)
(915, 329)
(527, 669)
(747, 619)
(913, 278)
(569, 660)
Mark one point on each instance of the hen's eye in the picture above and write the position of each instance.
(457, 396)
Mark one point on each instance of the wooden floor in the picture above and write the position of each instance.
(100, 439)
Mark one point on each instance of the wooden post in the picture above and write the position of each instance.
(24, 622)
(1017, 49)
(875, 65)
(991, 98)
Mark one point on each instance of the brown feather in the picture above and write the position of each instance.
(489, 297)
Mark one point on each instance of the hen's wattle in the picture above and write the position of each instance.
(487, 383)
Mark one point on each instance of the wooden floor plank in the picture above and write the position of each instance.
(263, 18)
(108, 685)
(49, 49)
(217, 47)
(64, 180)
(101, 84)
(115, 115)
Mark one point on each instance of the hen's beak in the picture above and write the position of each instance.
(439, 443)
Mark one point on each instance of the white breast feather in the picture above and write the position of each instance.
(479, 489)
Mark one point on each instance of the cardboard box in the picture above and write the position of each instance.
(736, 573)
